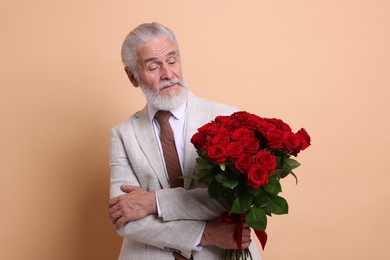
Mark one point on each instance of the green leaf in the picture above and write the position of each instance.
(277, 173)
(203, 164)
(267, 211)
(256, 218)
(292, 163)
(246, 201)
(273, 186)
(284, 172)
(278, 206)
(263, 199)
(222, 166)
(252, 191)
(225, 181)
(190, 177)
(204, 170)
(204, 176)
(287, 167)
(231, 168)
(221, 178)
(215, 189)
(242, 203)
(236, 207)
(277, 158)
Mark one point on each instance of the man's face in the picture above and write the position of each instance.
(159, 68)
(159, 74)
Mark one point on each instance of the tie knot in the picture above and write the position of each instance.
(163, 116)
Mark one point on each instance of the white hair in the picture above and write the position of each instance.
(140, 35)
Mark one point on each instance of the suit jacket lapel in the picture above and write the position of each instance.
(195, 115)
(147, 140)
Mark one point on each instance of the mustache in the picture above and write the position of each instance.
(167, 83)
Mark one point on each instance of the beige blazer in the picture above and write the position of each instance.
(135, 159)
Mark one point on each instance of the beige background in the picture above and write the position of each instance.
(323, 65)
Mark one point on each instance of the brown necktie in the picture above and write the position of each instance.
(169, 149)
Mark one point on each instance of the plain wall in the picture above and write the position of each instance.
(322, 65)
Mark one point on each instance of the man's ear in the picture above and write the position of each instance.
(131, 77)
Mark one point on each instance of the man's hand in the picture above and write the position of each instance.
(221, 234)
(134, 205)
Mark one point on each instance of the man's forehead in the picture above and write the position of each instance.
(155, 58)
(156, 48)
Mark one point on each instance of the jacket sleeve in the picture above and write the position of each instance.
(194, 204)
(179, 235)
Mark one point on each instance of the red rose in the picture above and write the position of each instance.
(212, 129)
(279, 124)
(253, 122)
(241, 134)
(220, 139)
(291, 141)
(226, 121)
(266, 160)
(274, 139)
(198, 141)
(251, 145)
(217, 153)
(302, 132)
(304, 141)
(243, 164)
(241, 116)
(264, 126)
(205, 128)
(220, 119)
(234, 150)
(257, 176)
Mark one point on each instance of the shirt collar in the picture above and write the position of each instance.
(178, 112)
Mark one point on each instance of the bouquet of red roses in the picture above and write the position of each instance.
(242, 158)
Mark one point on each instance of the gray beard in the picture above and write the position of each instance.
(169, 102)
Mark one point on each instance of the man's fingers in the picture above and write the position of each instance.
(113, 208)
(124, 188)
(120, 222)
(134, 205)
(113, 201)
(246, 232)
(115, 216)
(246, 244)
(129, 188)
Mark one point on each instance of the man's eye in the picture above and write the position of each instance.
(172, 61)
(153, 67)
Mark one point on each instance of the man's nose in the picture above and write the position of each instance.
(166, 72)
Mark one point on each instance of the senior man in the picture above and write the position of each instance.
(160, 214)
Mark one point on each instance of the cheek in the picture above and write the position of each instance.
(151, 81)
(178, 73)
